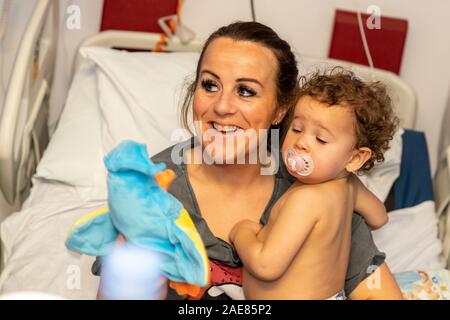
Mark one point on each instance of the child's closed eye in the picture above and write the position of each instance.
(320, 140)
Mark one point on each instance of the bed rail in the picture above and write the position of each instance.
(145, 41)
(23, 124)
(403, 97)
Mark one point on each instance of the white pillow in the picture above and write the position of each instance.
(381, 178)
(74, 154)
(139, 95)
(115, 95)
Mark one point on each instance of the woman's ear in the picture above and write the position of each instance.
(359, 158)
(279, 116)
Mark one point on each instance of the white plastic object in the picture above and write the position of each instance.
(301, 164)
(132, 273)
(185, 34)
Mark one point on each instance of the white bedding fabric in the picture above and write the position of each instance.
(410, 239)
(115, 95)
(37, 260)
(380, 179)
(35, 257)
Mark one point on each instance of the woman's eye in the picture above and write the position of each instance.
(246, 92)
(296, 130)
(321, 141)
(209, 86)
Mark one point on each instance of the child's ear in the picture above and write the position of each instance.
(359, 158)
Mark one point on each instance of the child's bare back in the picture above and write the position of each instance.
(330, 205)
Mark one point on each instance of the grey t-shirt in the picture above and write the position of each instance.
(364, 255)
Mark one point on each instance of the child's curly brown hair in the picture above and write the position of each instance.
(375, 122)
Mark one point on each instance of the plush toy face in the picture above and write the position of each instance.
(145, 214)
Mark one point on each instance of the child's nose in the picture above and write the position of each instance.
(302, 144)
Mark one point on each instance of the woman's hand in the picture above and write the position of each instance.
(243, 225)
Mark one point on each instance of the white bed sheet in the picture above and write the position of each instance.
(35, 257)
(410, 239)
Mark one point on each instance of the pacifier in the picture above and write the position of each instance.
(301, 164)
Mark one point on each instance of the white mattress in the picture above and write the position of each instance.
(34, 255)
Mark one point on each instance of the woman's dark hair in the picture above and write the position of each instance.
(287, 75)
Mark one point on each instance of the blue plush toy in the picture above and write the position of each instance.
(146, 215)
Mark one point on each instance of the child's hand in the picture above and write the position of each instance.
(243, 225)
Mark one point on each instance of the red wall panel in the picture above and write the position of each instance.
(135, 15)
(386, 44)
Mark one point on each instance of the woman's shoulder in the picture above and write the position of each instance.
(172, 156)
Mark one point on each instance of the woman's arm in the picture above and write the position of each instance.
(380, 285)
(369, 206)
(368, 276)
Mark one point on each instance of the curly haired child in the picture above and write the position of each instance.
(339, 127)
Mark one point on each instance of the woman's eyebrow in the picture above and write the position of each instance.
(237, 80)
(211, 73)
(250, 80)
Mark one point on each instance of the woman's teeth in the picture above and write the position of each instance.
(226, 129)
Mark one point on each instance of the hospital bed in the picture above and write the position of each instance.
(117, 95)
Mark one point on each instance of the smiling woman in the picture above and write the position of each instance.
(234, 96)
(246, 80)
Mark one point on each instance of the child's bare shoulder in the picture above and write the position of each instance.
(317, 198)
(313, 197)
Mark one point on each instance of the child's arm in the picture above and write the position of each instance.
(369, 206)
(268, 260)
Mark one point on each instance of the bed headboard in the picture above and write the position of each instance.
(143, 41)
(23, 124)
(402, 95)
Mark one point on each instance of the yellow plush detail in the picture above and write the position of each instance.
(88, 217)
(184, 222)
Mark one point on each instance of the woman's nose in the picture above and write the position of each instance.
(224, 105)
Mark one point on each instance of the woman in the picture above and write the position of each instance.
(245, 82)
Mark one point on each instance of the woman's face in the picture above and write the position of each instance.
(235, 97)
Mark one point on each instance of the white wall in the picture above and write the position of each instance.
(307, 25)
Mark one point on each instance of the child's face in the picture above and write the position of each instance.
(325, 133)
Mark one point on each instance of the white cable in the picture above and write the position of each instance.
(364, 41)
(252, 8)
